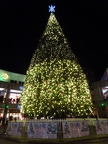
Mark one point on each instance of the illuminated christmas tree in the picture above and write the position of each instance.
(55, 83)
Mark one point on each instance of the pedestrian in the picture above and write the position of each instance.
(15, 119)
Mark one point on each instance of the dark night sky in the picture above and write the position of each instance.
(84, 23)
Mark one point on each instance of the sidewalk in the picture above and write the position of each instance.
(1, 129)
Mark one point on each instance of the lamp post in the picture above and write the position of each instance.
(6, 95)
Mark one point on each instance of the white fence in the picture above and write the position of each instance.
(57, 128)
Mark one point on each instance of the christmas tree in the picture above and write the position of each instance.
(55, 84)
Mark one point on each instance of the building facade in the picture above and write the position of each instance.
(100, 95)
(11, 85)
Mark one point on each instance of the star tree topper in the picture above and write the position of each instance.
(51, 8)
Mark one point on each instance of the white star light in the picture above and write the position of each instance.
(51, 8)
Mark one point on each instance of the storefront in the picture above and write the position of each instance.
(11, 86)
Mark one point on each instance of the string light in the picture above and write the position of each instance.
(55, 84)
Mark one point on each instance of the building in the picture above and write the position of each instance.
(11, 85)
(100, 95)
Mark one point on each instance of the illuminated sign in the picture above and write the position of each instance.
(5, 76)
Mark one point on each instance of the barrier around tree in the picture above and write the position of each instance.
(57, 129)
